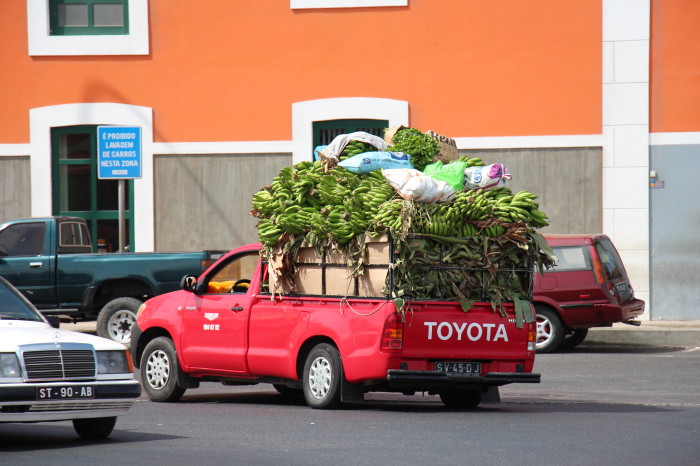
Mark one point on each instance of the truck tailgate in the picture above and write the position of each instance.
(443, 331)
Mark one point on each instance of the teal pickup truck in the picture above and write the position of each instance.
(51, 261)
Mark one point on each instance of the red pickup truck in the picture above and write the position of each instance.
(587, 288)
(226, 326)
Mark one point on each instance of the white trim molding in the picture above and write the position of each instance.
(674, 139)
(530, 142)
(227, 148)
(42, 43)
(304, 114)
(14, 150)
(302, 4)
(42, 119)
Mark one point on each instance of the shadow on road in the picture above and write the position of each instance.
(58, 436)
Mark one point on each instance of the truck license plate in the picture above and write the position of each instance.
(469, 368)
(72, 392)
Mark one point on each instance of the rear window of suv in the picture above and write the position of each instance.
(571, 258)
(610, 260)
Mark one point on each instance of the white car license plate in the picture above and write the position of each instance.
(67, 392)
(467, 368)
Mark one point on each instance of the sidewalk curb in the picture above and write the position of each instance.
(669, 333)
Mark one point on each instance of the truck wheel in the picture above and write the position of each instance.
(575, 339)
(322, 376)
(95, 428)
(461, 399)
(550, 330)
(159, 368)
(116, 319)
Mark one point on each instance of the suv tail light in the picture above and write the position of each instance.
(392, 336)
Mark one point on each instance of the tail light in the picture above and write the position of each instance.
(597, 269)
(531, 336)
(392, 336)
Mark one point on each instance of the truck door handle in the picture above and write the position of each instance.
(36, 264)
(237, 309)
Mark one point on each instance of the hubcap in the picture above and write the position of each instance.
(320, 377)
(544, 331)
(158, 369)
(120, 326)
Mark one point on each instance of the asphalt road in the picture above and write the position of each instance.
(597, 405)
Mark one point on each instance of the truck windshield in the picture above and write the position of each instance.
(12, 307)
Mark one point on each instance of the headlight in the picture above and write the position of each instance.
(113, 362)
(9, 366)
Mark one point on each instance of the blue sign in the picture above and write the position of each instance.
(118, 152)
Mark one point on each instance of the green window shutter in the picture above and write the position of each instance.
(325, 131)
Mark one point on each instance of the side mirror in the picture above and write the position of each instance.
(188, 282)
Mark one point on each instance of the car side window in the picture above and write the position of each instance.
(571, 258)
(234, 275)
(22, 239)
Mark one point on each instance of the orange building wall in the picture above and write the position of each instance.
(229, 71)
(675, 66)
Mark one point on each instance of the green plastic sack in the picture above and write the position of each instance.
(451, 173)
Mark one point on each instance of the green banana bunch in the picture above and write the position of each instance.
(356, 147)
(269, 233)
(471, 162)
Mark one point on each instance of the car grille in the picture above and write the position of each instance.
(59, 364)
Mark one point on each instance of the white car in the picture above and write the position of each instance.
(47, 374)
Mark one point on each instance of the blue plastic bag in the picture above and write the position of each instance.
(370, 161)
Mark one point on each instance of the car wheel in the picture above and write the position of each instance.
(95, 428)
(550, 330)
(159, 369)
(322, 377)
(461, 399)
(116, 319)
(575, 339)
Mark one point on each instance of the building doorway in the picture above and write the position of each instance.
(77, 192)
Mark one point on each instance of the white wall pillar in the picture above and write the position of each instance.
(626, 42)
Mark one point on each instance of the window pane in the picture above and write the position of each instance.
(108, 14)
(74, 146)
(108, 235)
(75, 187)
(571, 258)
(23, 239)
(72, 15)
(108, 195)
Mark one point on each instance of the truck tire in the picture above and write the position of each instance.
(550, 330)
(461, 399)
(116, 319)
(95, 428)
(159, 368)
(322, 376)
(575, 339)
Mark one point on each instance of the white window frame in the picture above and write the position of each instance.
(42, 43)
(305, 4)
(42, 119)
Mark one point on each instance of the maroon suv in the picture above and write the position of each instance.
(587, 288)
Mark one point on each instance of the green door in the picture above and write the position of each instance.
(79, 193)
(326, 131)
